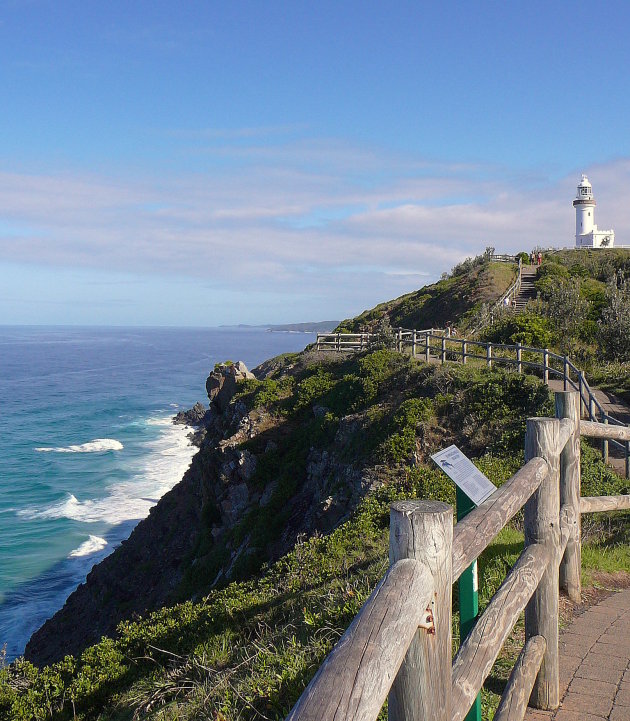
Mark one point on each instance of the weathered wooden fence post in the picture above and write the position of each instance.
(427, 349)
(413, 344)
(519, 362)
(422, 689)
(568, 406)
(464, 351)
(581, 391)
(542, 525)
(565, 375)
(443, 351)
(489, 355)
(605, 440)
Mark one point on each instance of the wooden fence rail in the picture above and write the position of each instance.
(399, 644)
(440, 345)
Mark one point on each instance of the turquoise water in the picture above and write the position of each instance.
(87, 446)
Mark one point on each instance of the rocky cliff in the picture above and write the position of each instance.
(213, 526)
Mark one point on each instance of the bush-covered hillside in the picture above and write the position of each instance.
(457, 299)
(244, 576)
(582, 308)
(246, 651)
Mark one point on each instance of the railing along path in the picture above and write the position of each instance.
(398, 647)
(442, 346)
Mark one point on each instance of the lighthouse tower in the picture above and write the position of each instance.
(587, 234)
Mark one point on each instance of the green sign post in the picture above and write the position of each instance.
(468, 595)
(472, 488)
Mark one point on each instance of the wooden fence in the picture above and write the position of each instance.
(441, 346)
(398, 647)
(351, 342)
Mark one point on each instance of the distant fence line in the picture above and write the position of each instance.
(441, 346)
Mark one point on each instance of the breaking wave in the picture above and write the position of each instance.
(98, 445)
(87, 548)
(166, 460)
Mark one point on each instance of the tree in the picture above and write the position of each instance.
(567, 310)
(614, 325)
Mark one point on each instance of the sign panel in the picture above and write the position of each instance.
(463, 472)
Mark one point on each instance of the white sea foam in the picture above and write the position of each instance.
(87, 548)
(98, 445)
(167, 459)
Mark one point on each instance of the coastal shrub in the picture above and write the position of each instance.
(552, 269)
(597, 478)
(375, 368)
(528, 328)
(313, 387)
(614, 324)
(401, 444)
(594, 292)
(467, 265)
(489, 408)
(268, 392)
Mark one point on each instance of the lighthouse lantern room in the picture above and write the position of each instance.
(587, 234)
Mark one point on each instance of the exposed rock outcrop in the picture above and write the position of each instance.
(222, 382)
(190, 533)
(198, 415)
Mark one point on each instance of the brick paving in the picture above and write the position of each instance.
(595, 665)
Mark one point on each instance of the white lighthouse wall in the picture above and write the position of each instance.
(584, 220)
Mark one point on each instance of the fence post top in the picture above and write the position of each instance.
(566, 393)
(420, 507)
(542, 421)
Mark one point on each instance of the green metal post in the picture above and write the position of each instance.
(468, 596)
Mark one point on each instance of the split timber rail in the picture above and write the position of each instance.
(398, 647)
(442, 346)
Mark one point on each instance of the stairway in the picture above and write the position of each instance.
(527, 291)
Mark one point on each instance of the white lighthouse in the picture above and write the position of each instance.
(587, 234)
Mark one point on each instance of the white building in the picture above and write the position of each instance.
(587, 234)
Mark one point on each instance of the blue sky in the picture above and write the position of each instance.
(199, 163)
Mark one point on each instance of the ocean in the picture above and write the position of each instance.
(87, 446)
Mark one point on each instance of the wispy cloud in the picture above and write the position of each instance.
(316, 219)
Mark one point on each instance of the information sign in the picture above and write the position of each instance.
(472, 488)
(463, 472)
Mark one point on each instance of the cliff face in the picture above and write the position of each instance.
(214, 526)
(139, 575)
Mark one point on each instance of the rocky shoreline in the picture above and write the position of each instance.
(196, 537)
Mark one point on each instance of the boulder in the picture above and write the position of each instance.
(195, 416)
(221, 383)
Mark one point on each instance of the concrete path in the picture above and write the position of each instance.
(595, 665)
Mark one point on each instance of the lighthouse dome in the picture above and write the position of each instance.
(584, 189)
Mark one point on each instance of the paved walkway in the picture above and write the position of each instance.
(595, 665)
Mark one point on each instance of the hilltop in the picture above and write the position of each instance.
(457, 298)
(224, 601)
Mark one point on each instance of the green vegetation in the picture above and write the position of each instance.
(248, 649)
(457, 298)
(584, 297)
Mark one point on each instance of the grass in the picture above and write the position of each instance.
(450, 299)
(612, 377)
